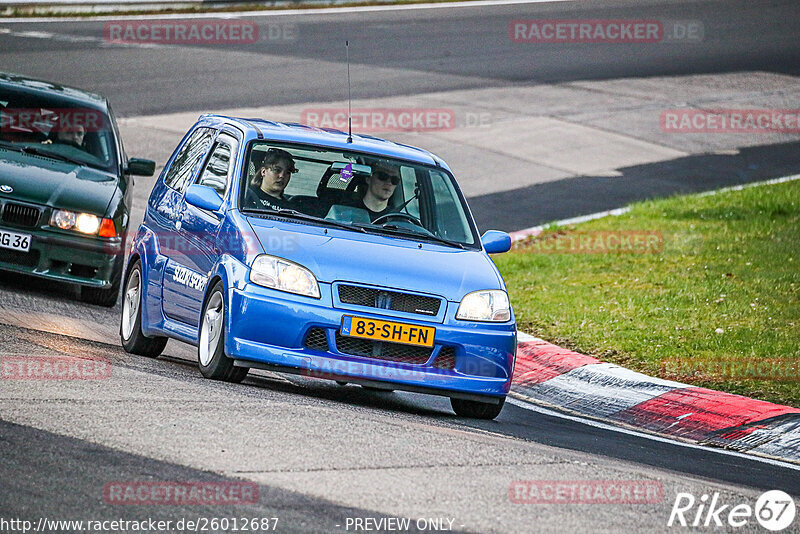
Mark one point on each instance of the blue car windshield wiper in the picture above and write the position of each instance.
(408, 232)
(303, 216)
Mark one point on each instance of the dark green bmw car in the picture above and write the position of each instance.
(65, 186)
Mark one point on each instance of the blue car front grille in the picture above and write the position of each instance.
(446, 358)
(316, 339)
(389, 300)
(382, 350)
(394, 352)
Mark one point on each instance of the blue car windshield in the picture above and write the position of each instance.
(365, 191)
(57, 128)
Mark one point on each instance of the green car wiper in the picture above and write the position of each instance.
(35, 150)
(10, 146)
(304, 216)
(394, 229)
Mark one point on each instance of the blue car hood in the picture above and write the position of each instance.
(379, 260)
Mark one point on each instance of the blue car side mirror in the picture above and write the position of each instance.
(203, 197)
(496, 242)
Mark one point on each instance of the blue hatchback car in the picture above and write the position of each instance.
(283, 247)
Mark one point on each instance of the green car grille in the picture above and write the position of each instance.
(20, 215)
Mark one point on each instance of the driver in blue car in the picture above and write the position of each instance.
(380, 188)
(273, 171)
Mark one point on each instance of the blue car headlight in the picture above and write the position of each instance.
(487, 305)
(283, 275)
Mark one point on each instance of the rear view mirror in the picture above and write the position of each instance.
(141, 167)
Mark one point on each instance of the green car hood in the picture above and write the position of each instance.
(57, 184)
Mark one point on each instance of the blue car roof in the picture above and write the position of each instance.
(299, 133)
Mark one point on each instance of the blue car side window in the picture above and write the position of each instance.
(180, 173)
(218, 169)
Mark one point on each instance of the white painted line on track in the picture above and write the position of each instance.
(752, 184)
(604, 426)
(83, 39)
(286, 12)
(536, 230)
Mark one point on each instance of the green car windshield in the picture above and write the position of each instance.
(57, 128)
(361, 191)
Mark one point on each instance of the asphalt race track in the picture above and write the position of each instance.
(322, 455)
(422, 50)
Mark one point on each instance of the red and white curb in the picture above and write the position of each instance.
(569, 381)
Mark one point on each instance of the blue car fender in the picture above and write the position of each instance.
(145, 247)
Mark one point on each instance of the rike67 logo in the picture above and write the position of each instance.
(774, 510)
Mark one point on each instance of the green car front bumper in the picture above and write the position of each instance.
(88, 261)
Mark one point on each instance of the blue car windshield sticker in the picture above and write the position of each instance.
(346, 173)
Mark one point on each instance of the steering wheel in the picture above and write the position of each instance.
(399, 215)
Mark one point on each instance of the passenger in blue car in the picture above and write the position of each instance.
(380, 188)
(273, 171)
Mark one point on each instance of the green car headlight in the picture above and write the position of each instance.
(63, 219)
(84, 223)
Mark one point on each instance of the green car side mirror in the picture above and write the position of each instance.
(141, 167)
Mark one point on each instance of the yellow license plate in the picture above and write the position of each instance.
(408, 334)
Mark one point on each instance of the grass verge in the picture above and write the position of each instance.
(716, 303)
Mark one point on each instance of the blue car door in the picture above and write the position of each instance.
(178, 284)
(200, 229)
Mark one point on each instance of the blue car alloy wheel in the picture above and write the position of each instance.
(298, 250)
(211, 354)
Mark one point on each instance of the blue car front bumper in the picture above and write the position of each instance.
(271, 329)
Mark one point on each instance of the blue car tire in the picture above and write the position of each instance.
(476, 409)
(211, 357)
(130, 327)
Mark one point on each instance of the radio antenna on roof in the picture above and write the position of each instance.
(349, 96)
